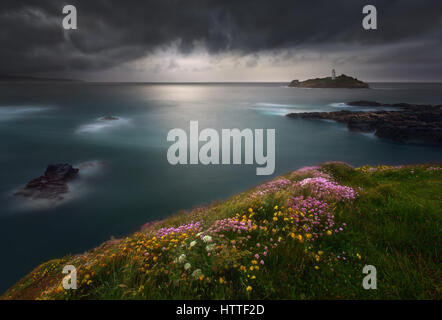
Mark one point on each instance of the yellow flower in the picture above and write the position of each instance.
(299, 237)
(275, 219)
(275, 208)
(202, 277)
(316, 267)
(249, 288)
(320, 252)
(250, 210)
(358, 255)
(254, 262)
(251, 268)
(221, 280)
(329, 233)
(308, 235)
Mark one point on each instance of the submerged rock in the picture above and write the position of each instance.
(52, 185)
(364, 103)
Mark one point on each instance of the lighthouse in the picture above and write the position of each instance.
(333, 74)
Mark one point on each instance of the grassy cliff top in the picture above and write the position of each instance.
(305, 235)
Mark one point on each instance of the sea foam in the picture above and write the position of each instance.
(102, 124)
(10, 112)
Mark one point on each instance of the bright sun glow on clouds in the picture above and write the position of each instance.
(170, 65)
(199, 66)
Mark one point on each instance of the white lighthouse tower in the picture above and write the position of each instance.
(333, 74)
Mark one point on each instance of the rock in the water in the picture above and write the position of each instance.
(52, 185)
(410, 123)
(109, 118)
(364, 103)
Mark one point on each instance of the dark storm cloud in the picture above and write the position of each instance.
(113, 32)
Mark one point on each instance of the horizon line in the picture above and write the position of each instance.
(191, 82)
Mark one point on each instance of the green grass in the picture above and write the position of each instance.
(393, 224)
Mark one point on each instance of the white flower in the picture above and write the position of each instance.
(198, 234)
(182, 258)
(192, 243)
(197, 273)
(207, 239)
(210, 247)
(187, 266)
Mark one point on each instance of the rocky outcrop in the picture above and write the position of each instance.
(341, 81)
(410, 123)
(52, 185)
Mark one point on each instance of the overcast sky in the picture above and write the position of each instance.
(204, 40)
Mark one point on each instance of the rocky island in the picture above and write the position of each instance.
(341, 81)
(409, 123)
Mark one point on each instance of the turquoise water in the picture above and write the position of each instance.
(126, 179)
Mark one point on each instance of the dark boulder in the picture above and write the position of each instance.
(52, 185)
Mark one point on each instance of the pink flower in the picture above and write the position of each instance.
(321, 187)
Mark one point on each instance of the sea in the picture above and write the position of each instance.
(125, 178)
